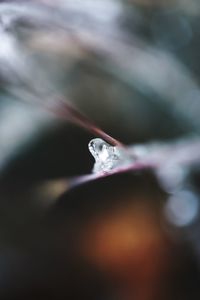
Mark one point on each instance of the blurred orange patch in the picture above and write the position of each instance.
(129, 246)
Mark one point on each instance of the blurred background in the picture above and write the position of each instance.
(132, 69)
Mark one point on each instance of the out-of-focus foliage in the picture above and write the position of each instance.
(132, 67)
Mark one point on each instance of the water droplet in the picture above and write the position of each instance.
(106, 157)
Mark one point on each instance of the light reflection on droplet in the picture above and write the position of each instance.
(104, 154)
(108, 157)
(182, 208)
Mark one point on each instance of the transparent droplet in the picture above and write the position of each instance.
(106, 156)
